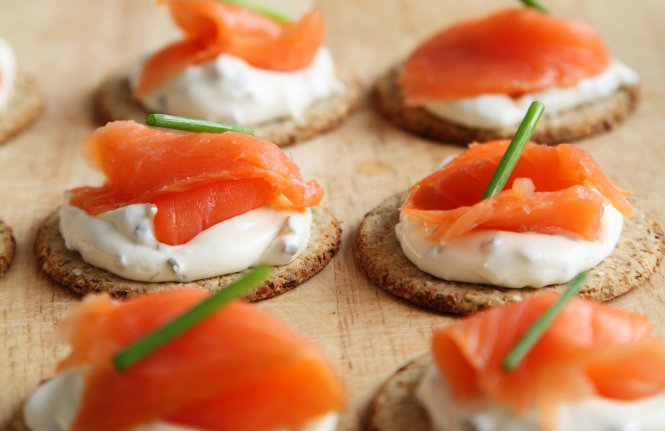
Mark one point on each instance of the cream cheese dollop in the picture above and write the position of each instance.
(589, 414)
(7, 73)
(122, 241)
(55, 404)
(508, 259)
(500, 111)
(228, 89)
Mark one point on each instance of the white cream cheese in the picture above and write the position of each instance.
(591, 414)
(508, 259)
(123, 242)
(228, 89)
(54, 405)
(500, 111)
(7, 73)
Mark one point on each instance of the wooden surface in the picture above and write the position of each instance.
(70, 45)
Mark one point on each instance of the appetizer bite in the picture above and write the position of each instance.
(7, 248)
(237, 64)
(20, 100)
(194, 209)
(459, 240)
(234, 368)
(594, 368)
(475, 80)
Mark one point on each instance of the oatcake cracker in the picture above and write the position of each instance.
(571, 125)
(22, 109)
(113, 101)
(394, 406)
(637, 256)
(67, 268)
(7, 248)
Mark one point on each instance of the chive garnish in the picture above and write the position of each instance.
(192, 125)
(263, 10)
(534, 5)
(531, 337)
(514, 150)
(181, 324)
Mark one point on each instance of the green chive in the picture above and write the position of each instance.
(263, 10)
(514, 150)
(192, 125)
(539, 327)
(181, 324)
(534, 5)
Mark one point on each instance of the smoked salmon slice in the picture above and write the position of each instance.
(589, 350)
(211, 28)
(195, 180)
(240, 369)
(513, 52)
(549, 191)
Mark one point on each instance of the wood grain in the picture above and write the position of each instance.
(71, 45)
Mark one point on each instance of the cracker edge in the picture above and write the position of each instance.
(323, 246)
(7, 248)
(112, 101)
(571, 125)
(394, 406)
(466, 298)
(23, 108)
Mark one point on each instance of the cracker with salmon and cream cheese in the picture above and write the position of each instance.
(474, 81)
(442, 247)
(241, 67)
(240, 368)
(595, 368)
(195, 210)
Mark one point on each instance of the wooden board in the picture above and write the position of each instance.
(70, 45)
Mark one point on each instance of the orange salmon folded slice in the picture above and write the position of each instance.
(240, 369)
(549, 191)
(589, 350)
(195, 180)
(512, 52)
(212, 28)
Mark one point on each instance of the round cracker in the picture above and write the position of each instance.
(67, 268)
(7, 248)
(394, 406)
(578, 123)
(113, 101)
(22, 109)
(637, 256)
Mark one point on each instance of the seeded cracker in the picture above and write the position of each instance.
(7, 248)
(113, 101)
(637, 256)
(22, 109)
(394, 406)
(574, 124)
(68, 269)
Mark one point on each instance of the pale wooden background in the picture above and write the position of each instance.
(70, 45)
